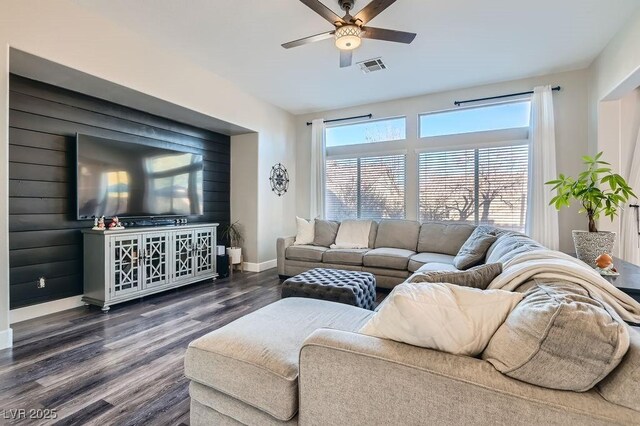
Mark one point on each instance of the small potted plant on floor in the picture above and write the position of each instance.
(599, 191)
(232, 234)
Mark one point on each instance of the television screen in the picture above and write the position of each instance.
(117, 178)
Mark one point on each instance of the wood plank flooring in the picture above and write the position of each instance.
(125, 367)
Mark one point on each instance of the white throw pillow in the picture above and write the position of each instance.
(446, 317)
(353, 234)
(305, 231)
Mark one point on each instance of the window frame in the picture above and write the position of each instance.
(371, 120)
(403, 152)
(495, 144)
(484, 105)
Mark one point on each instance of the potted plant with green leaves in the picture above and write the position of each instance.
(599, 191)
(233, 235)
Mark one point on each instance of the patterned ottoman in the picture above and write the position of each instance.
(349, 287)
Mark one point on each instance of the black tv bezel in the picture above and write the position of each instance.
(75, 175)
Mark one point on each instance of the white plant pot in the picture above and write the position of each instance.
(235, 254)
(590, 245)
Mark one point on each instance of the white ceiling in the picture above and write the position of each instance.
(460, 43)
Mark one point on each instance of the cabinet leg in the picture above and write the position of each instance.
(105, 309)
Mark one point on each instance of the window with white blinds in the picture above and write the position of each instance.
(480, 186)
(366, 187)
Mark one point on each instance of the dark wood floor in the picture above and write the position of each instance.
(124, 367)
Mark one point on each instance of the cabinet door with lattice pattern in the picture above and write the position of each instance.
(155, 260)
(205, 245)
(183, 248)
(125, 264)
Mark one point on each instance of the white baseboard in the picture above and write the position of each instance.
(6, 338)
(259, 267)
(42, 309)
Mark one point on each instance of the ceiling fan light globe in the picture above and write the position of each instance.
(348, 37)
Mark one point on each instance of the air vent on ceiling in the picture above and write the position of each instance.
(371, 65)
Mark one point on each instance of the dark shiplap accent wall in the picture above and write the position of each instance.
(44, 237)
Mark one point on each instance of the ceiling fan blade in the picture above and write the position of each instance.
(345, 58)
(307, 40)
(387, 35)
(323, 11)
(372, 10)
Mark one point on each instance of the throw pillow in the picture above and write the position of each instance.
(560, 338)
(305, 231)
(325, 232)
(474, 249)
(353, 234)
(441, 316)
(476, 277)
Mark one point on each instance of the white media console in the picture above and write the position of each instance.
(120, 265)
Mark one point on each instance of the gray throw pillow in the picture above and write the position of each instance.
(476, 277)
(325, 232)
(474, 249)
(558, 337)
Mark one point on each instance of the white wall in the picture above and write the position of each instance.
(66, 33)
(571, 132)
(614, 110)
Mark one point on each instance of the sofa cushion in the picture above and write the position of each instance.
(477, 277)
(395, 233)
(325, 232)
(446, 238)
(417, 260)
(353, 234)
(435, 266)
(307, 253)
(622, 385)
(474, 250)
(388, 258)
(442, 316)
(305, 230)
(559, 338)
(255, 358)
(344, 256)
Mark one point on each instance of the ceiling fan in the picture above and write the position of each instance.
(350, 30)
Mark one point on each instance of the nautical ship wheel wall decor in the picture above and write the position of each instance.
(279, 179)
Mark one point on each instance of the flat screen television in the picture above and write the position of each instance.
(116, 178)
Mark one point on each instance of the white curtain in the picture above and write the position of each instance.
(629, 239)
(542, 219)
(318, 154)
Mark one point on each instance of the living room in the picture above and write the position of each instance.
(456, 116)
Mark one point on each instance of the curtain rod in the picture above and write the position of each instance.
(344, 119)
(458, 103)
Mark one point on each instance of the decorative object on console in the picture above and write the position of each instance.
(446, 317)
(115, 224)
(595, 201)
(279, 179)
(233, 235)
(98, 224)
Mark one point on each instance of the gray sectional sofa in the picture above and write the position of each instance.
(397, 248)
(304, 361)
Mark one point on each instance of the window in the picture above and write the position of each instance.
(508, 115)
(479, 186)
(390, 129)
(366, 187)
